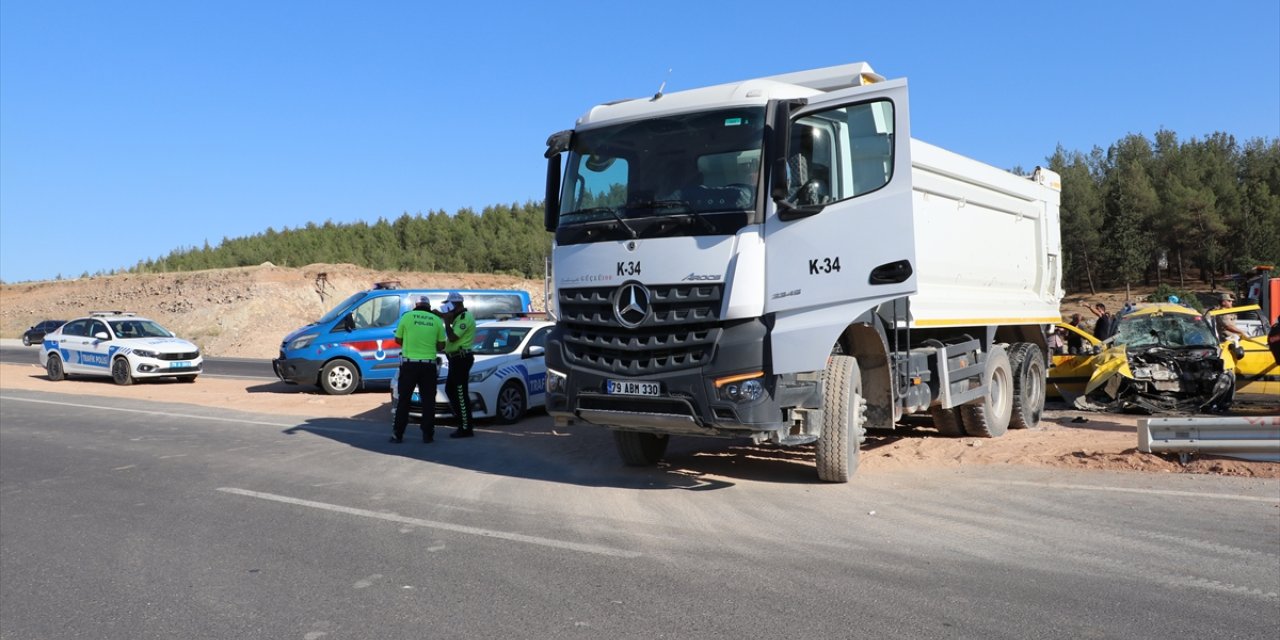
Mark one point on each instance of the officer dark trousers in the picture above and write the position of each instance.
(420, 374)
(458, 390)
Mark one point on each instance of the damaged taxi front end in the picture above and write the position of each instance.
(1163, 357)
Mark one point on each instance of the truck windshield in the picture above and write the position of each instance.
(692, 167)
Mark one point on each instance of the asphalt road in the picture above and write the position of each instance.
(248, 368)
(174, 521)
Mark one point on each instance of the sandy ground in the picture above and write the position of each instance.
(1066, 438)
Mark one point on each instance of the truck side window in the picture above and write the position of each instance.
(841, 153)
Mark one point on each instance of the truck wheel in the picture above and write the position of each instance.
(843, 413)
(1027, 364)
(54, 368)
(339, 377)
(947, 421)
(640, 449)
(989, 417)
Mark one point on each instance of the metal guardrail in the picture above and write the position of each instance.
(1247, 438)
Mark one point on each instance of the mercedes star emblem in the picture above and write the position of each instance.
(631, 306)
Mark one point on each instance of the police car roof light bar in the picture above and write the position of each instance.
(99, 314)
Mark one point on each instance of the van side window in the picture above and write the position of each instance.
(383, 311)
(841, 153)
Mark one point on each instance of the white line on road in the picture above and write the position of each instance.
(475, 531)
(1158, 492)
(193, 416)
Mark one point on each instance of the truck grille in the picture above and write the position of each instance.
(680, 333)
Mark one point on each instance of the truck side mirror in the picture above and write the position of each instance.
(551, 206)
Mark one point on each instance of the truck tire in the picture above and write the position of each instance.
(1027, 364)
(843, 414)
(989, 416)
(947, 421)
(640, 449)
(339, 377)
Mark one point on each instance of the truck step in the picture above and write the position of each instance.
(793, 440)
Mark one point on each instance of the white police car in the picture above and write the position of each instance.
(120, 345)
(509, 375)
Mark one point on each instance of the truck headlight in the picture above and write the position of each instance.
(741, 388)
(302, 342)
(556, 382)
(481, 375)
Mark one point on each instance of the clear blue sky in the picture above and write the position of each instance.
(128, 129)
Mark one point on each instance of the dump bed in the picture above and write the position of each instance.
(987, 242)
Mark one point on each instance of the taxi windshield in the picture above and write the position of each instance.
(1170, 330)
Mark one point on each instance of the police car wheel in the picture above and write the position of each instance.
(120, 373)
(511, 403)
(339, 378)
(54, 368)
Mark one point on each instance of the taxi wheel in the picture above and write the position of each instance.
(54, 368)
(511, 403)
(339, 378)
(120, 372)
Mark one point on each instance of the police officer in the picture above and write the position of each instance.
(461, 330)
(420, 334)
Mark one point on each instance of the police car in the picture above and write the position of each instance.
(121, 345)
(509, 375)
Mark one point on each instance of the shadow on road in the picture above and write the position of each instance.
(581, 455)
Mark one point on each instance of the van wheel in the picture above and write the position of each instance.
(54, 368)
(339, 377)
(1027, 365)
(640, 449)
(843, 414)
(989, 417)
(120, 373)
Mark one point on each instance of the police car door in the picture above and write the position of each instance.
(70, 342)
(98, 347)
(535, 363)
(849, 244)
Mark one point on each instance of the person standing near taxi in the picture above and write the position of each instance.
(420, 334)
(461, 330)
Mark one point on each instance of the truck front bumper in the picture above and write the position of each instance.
(688, 402)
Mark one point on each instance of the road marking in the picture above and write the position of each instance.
(1157, 492)
(224, 375)
(167, 414)
(456, 528)
(150, 413)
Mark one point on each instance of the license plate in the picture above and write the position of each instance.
(632, 388)
(180, 365)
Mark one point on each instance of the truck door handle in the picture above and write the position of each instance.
(891, 273)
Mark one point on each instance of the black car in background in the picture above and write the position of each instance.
(35, 334)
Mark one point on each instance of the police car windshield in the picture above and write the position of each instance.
(138, 329)
(338, 310)
(492, 341)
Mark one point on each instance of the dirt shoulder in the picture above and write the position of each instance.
(1069, 439)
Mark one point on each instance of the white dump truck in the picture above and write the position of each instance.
(777, 259)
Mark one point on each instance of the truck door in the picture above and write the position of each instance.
(849, 154)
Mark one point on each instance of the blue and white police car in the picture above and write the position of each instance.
(509, 375)
(121, 345)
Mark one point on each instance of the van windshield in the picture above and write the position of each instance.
(338, 310)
